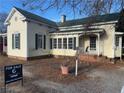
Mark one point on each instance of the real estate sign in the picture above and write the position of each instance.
(13, 73)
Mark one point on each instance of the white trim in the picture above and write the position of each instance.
(100, 23)
(77, 32)
(119, 33)
(11, 14)
(3, 34)
(121, 48)
(98, 35)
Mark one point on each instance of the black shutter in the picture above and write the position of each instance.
(12, 41)
(50, 43)
(19, 41)
(44, 41)
(41, 46)
(74, 43)
(36, 41)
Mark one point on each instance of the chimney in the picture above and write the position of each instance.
(63, 18)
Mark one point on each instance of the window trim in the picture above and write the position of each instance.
(16, 41)
(65, 43)
(55, 43)
(117, 41)
(93, 45)
(70, 43)
(60, 43)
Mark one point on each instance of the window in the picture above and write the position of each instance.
(16, 41)
(117, 41)
(55, 43)
(64, 43)
(59, 43)
(92, 43)
(38, 41)
(70, 43)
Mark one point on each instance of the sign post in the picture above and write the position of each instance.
(76, 68)
(13, 73)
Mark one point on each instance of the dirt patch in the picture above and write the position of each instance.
(44, 76)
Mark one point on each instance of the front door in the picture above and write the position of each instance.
(118, 46)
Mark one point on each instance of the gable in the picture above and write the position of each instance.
(13, 14)
(34, 17)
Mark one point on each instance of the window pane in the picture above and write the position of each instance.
(39, 41)
(64, 43)
(92, 43)
(59, 43)
(55, 43)
(70, 43)
(17, 41)
(117, 41)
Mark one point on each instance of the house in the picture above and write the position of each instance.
(30, 36)
(3, 43)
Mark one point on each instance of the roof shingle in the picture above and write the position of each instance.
(93, 19)
(36, 17)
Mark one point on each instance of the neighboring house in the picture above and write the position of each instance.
(3, 35)
(29, 35)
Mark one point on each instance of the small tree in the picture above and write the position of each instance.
(2, 19)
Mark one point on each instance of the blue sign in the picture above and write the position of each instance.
(13, 73)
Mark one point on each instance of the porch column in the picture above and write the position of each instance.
(77, 41)
(120, 39)
(98, 35)
(3, 37)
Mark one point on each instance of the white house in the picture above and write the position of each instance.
(30, 36)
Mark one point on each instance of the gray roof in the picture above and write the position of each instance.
(36, 17)
(93, 19)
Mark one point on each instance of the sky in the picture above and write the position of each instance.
(52, 14)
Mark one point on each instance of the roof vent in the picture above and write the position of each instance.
(63, 18)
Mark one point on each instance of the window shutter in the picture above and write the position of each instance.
(19, 41)
(44, 41)
(36, 41)
(74, 43)
(41, 46)
(50, 43)
(12, 41)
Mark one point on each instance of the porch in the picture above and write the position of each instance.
(90, 42)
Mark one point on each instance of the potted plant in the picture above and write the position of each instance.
(65, 67)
